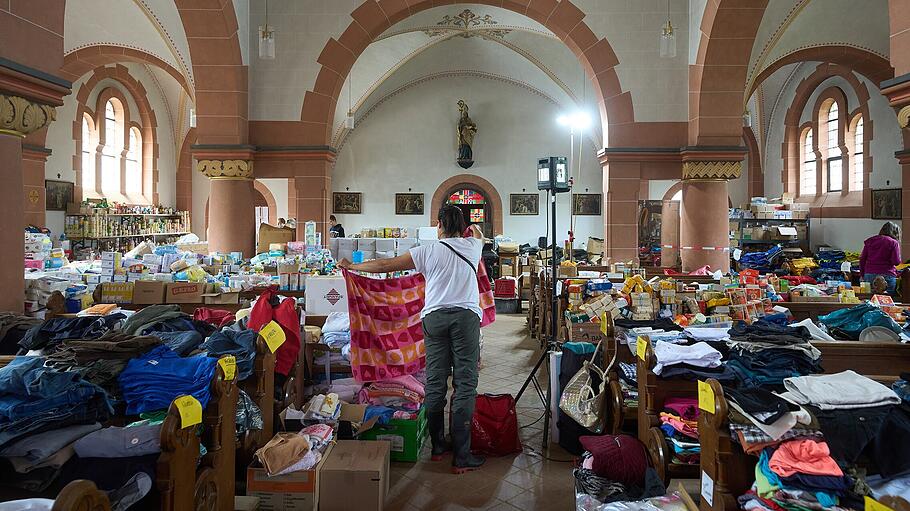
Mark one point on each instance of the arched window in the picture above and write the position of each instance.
(807, 175)
(88, 154)
(134, 164)
(833, 158)
(858, 151)
(112, 150)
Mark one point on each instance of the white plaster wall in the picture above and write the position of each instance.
(279, 189)
(657, 188)
(845, 233)
(408, 144)
(201, 188)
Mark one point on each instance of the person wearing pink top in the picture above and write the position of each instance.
(880, 255)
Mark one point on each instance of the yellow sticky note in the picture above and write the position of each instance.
(874, 505)
(273, 335)
(641, 346)
(190, 411)
(603, 323)
(705, 397)
(228, 367)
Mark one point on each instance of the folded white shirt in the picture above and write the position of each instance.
(699, 354)
(337, 322)
(842, 390)
(708, 333)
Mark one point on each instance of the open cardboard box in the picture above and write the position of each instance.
(292, 419)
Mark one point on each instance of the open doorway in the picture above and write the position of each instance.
(475, 207)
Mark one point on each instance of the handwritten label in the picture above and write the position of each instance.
(190, 411)
(874, 505)
(641, 346)
(707, 488)
(273, 335)
(228, 367)
(705, 397)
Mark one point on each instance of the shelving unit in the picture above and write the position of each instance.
(103, 230)
(752, 245)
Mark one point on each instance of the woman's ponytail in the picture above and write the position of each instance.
(451, 219)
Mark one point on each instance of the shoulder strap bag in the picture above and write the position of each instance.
(581, 401)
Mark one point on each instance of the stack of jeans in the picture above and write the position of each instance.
(763, 354)
(150, 382)
(181, 342)
(34, 398)
(240, 344)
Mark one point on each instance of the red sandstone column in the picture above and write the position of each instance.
(704, 225)
(231, 211)
(897, 91)
(33, 161)
(669, 234)
(313, 188)
(621, 185)
(12, 220)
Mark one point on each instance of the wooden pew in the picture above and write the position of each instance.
(652, 392)
(81, 495)
(219, 439)
(724, 461)
(260, 387)
(812, 310)
(619, 416)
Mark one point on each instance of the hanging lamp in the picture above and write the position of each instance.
(349, 120)
(266, 37)
(667, 38)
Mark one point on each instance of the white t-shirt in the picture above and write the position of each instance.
(450, 281)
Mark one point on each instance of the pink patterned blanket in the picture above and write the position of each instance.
(386, 334)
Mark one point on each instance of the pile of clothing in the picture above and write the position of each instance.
(763, 353)
(615, 469)
(152, 381)
(679, 424)
(290, 452)
(336, 333)
(241, 344)
(164, 318)
(627, 331)
(628, 382)
(826, 442)
(395, 398)
(48, 334)
(13, 328)
(686, 359)
(902, 387)
(323, 407)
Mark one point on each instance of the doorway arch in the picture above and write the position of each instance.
(469, 181)
(262, 196)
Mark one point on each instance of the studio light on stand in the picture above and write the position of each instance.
(552, 176)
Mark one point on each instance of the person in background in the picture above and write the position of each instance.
(335, 229)
(451, 328)
(281, 223)
(880, 255)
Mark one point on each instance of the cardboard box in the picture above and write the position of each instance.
(269, 234)
(325, 295)
(117, 292)
(297, 491)
(356, 475)
(184, 292)
(216, 295)
(148, 292)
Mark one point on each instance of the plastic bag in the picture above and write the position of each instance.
(850, 322)
(494, 427)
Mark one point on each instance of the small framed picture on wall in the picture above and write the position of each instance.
(886, 204)
(348, 203)
(587, 204)
(58, 194)
(524, 204)
(408, 203)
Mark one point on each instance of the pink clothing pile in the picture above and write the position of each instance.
(404, 394)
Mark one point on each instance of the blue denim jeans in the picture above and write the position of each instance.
(890, 279)
(240, 344)
(29, 389)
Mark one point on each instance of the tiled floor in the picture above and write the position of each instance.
(526, 481)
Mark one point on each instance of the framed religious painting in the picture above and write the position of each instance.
(58, 194)
(348, 203)
(521, 204)
(408, 203)
(886, 204)
(587, 204)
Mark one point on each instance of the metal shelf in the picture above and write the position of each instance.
(767, 242)
(168, 215)
(129, 236)
(799, 220)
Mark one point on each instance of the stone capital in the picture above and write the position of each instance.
(226, 169)
(903, 117)
(20, 116)
(718, 170)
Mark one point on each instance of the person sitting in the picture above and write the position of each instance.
(335, 229)
(881, 253)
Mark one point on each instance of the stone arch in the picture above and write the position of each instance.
(221, 77)
(851, 204)
(373, 17)
(452, 184)
(269, 199)
(756, 177)
(717, 80)
(149, 122)
(871, 65)
(80, 62)
(677, 188)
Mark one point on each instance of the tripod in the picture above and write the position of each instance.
(551, 343)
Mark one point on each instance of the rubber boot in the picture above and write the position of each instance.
(463, 461)
(441, 446)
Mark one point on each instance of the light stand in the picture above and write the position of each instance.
(553, 177)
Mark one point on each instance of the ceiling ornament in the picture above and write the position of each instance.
(469, 23)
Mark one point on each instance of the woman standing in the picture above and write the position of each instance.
(881, 254)
(451, 328)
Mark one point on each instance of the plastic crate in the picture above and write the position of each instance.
(405, 436)
(505, 288)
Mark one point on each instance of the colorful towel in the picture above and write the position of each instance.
(386, 333)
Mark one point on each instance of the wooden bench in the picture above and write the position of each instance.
(81, 495)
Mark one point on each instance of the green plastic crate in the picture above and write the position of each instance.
(405, 436)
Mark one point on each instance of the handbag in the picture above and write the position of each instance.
(579, 399)
(494, 426)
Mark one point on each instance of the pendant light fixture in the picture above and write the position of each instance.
(349, 120)
(667, 38)
(747, 118)
(266, 37)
